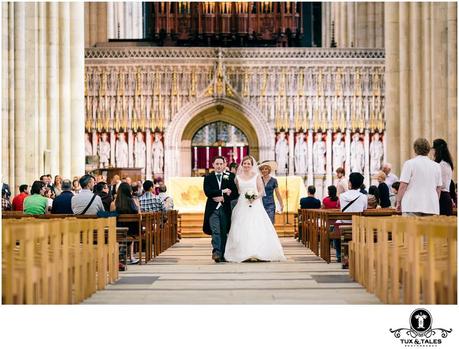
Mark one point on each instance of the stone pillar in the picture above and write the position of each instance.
(357, 24)
(420, 41)
(77, 86)
(53, 84)
(96, 26)
(19, 94)
(63, 127)
(124, 20)
(130, 142)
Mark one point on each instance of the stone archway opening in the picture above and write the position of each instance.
(210, 115)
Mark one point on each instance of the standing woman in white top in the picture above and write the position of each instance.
(443, 157)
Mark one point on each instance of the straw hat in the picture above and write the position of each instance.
(270, 163)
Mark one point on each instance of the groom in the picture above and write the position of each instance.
(220, 189)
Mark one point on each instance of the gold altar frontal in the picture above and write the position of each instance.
(190, 201)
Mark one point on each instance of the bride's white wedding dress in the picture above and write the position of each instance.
(252, 235)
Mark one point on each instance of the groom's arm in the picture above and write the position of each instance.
(234, 191)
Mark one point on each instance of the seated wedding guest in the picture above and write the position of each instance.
(393, 193)
(310, 201)
(86, 202)
(115, 184)
(420, 183)
(6, 204)
(18, 200)
(351, 201)
(341, 183)
(167, 200)
(443, 157)
(57, 184)
(101, 189)
(383, 190)
(136, 194)
(76, 186)
(390, 177)
(453, 193)
(332, 200)
(373, 196)
(36, 203)
(124, 204)
(149, 202)
(127, 180)
(49, 195)
(62, 204)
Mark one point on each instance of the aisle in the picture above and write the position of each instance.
(185, 274)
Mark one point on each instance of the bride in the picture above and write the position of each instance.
(252, 235)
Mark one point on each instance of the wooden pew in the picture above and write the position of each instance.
(409, 260)
(52, 261)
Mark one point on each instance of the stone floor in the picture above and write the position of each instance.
(185, 274)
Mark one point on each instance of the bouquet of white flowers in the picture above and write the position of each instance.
(251, 195)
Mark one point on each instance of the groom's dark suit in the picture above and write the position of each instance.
(216, 221)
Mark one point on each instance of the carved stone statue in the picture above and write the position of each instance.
(104, 151)
(157, 151)
(281, 153)
(121, 152)
(301, 155)
(318, 152)
(87, 145)
(376, 154)
(339, 151)
(139, 151)
(357, 154)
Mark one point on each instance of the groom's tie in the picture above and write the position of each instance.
(219, 176)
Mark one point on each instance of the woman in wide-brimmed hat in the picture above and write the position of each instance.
(271, 185)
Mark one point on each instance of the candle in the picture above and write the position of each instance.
(195, 157)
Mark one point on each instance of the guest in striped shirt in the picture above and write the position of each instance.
(149, 202)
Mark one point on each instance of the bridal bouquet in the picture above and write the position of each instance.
(251, 195)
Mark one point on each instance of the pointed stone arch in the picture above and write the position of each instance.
(178, 135)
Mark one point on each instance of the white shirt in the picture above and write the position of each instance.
(358, 205)
(446, 175)
(423, 177)
(390, 179)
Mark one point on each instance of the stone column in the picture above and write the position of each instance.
(420, 39)
(357, 24)
(77, 86)
(96, 25)
(111, 26)
(63, 127)
(53, 84)
(6, 92)
(20, 139)
(130, 142)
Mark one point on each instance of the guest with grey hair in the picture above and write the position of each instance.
(62, 204)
